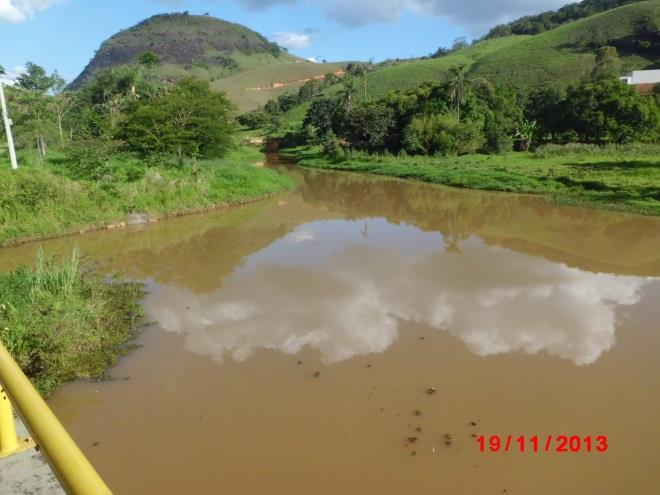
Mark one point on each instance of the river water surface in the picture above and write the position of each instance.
(356, 335)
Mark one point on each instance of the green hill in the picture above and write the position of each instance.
(535, 24)
(210, 49)
(201, 44)
(561, 55)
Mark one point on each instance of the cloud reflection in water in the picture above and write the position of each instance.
(350, 304)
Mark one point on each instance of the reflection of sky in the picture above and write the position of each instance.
(314, 242)
(330, 287)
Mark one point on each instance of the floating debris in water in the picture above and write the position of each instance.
(473, 423)
(96, 444)
(418, 412)
(418, 429)
(317, 374)
(412, 439)
(431, 391)
(299, 363)
(413, 453)
(368, 366)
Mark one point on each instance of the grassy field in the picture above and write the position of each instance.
(38, 202)
(558, 56)
(291, 73)
(624, 179)
(61, 322)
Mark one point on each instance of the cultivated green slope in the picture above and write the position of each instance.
(566, 54)
(252, 89)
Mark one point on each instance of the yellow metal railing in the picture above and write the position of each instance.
(76, 475)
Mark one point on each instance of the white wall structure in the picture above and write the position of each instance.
(642, 77)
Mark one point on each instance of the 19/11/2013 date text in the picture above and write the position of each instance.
(547, 443)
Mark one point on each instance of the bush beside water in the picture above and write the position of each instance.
(61, 321)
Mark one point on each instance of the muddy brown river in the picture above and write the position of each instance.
(360, 334)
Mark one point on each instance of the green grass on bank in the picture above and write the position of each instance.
(619, 178)
(61, 322)
(49, 200)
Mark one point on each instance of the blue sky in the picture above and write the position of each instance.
(63, 34)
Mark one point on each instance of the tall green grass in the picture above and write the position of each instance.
(38, 202)
(61, 322)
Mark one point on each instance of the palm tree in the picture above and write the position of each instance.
(460, 85)
(347, 93)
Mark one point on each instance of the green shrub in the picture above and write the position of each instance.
(434, 133)
(61, 322)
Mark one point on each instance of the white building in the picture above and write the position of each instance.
(638, 77)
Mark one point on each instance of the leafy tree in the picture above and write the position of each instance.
(254, 120)
(2, 71)
(189, 121)
(272, 106)
(368, 127)
(500, 110)
(149, 60)
(35, 79)
(33, 122)
(609, 111)
(441, 52)
(325, 116)
(459, 44)
(545, 108)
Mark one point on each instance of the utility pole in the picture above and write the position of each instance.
(7, 121)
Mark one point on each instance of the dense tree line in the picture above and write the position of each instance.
(120, 110)
(464, 114)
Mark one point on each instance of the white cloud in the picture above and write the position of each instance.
(21, 10)
(495, 301)
(471, 13)
(293, 40)
(12, 74)
(299, 236)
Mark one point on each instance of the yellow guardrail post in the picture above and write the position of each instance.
(10, 444)
(76, 475)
